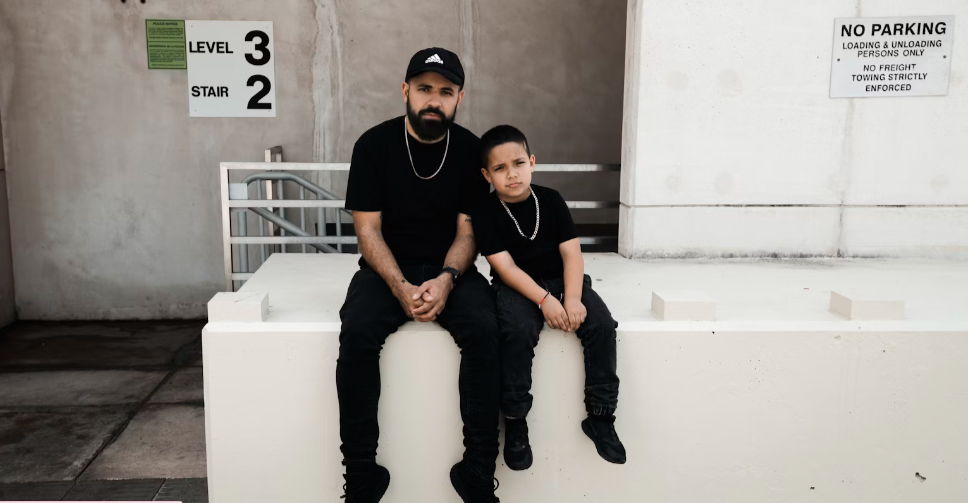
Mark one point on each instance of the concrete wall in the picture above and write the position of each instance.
(733, 147)
(114, 193)
(8, 308)
(778, 400)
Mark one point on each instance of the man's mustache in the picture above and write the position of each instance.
(431, 111)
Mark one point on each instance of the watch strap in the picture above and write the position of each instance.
(453, 272)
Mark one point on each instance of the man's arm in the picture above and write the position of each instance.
(572, 276)
(462, 251)
(518, 280)
(370, 240)
(435, 291)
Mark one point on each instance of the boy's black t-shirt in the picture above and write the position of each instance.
(540, 258)
(419, 218)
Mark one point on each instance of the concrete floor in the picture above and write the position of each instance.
(102, 411)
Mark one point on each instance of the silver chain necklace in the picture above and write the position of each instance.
(406, 142)
(517, 222)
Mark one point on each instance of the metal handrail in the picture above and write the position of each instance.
(299, 180)
(291, 227)
(276, 170)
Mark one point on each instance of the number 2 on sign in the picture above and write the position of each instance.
(263, 47)
(254, 103)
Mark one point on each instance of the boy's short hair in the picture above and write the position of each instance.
(500, 135)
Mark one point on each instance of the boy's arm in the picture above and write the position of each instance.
(516, 278)
(521, 282)
(572, 273)
(572, 276)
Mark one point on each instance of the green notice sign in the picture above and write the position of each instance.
(166, 44)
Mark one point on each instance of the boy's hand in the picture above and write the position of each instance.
(576, 312)
(554, 313)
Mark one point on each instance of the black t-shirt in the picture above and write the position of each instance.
(419, 218)
(495, 231)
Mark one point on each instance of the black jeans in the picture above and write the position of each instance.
(520, 321)
(371, 313)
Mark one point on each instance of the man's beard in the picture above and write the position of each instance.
(429, 130)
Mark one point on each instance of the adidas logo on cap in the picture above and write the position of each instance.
(434, 59)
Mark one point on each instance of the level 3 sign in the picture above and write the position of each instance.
(231, 68)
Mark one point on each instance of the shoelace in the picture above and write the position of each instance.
(347, 495)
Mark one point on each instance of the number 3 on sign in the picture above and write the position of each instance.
(231, 68)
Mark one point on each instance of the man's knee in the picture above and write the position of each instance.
(360, 339)
(480, 335)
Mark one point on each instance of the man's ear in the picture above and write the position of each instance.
(532, 162)
(486, 175)
(461, 95)
(404, 91)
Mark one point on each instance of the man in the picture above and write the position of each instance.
(413, 184)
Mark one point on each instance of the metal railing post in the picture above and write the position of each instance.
(340, 232)
(303, 213)
(321, 221)
(279, 194)
(243, 249)
(262, 228)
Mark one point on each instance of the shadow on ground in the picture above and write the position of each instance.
(102, 411)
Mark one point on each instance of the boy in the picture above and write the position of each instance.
(528, 237)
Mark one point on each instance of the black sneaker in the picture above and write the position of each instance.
(600, 430)
(470, 487)
(366, 485)
(518, 452)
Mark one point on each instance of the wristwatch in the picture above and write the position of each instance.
(454, 274)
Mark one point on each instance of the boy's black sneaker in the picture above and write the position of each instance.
(470, 487)
(600, 430)
(366, 484)
(518, 452)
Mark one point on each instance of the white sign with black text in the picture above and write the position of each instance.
(231, 68)
(891, 56)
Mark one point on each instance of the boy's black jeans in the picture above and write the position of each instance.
(371, 313)
(520, 321)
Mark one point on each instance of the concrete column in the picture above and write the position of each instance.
(732, 146)
(8, 310)
(632, 129)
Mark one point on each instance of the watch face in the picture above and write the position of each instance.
(453, 273)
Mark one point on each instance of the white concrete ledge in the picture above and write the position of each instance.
(239, 306)
(860, 307)
(683, 306)
(776, 397)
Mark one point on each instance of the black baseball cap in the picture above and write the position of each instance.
(437, 60)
